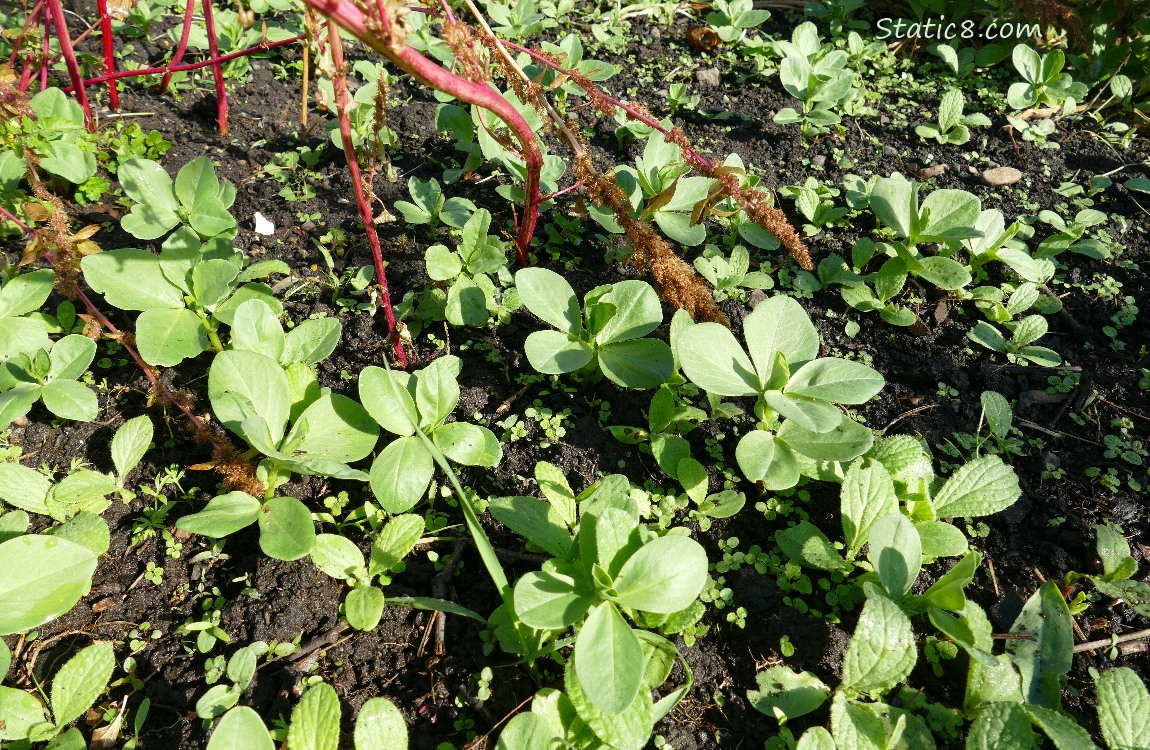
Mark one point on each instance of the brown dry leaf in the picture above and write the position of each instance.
(7, 73)
(107, 737)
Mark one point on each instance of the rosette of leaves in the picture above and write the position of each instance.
(606, 568)
(75, 688)
(731, 275)
(472, 295)
(50, 375)
(608, 333)
(184, 293)
(196, 198)
(815, 74)
(255, 397)
(401, 402)
(58, 136)
(797, 393)
(1043, 82)
(432, 206)
(953, 127)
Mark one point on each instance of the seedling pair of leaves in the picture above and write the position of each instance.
(401, 402)
(731, 276)
(607, 334)
(257, 388)
(953, 127)
(83, 490)
(814, 202)
(21, 330)
(816, 75)
(314, 723)
(731, 19)
(610, 566)
(472, 295)
(1043, 82)
(997, 243)
(365, 129)
(50, 375)
(1019, 347)
(196, 198)
(75, 689)
(998, 308)
(184, 293)
(339, 557)
(797, 393)
(59, 138)
(569, 53)
(1069, 235)
(432, 206)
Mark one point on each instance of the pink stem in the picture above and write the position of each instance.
(30, 22)
(341, 99)
(217, 69)
(262, 47)
(109, 50)
(12, 218)
(47, 51)
(180, 47)
(70, 61)
(377, 32)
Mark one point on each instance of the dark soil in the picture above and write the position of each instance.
(1044, 536)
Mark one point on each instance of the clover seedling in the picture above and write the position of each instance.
(953, 127)
(196, 198)
(796, 392)
(472, 295)
(432, 207)
(400, 402)
(338, 557)
(611, 566)
(75, 689)
(50, 376)
(1043, 82)
(184, 293)
(608, 333)
(255, 397)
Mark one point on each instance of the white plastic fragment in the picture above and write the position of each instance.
(263, 225)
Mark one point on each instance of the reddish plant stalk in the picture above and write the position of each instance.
(31, 21)
(109, 52)
(47, 51)
(217, 69)
(180, 47)
(379, 32)
(70, 61)
(261, 47)
(339, 80)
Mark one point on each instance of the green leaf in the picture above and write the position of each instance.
(241, 729)
(882, 651)
(364, 607)
(786, 694)
(442, 264)
(664, 576)
(166, 337)
(380, 726)
(1123, 708)
(18, 402)
(312, 341)
(131, 279)
(315, 720)
(816, 738)
(1047, 656)
(950, 109)
(395, 541)
(1114, 552)
(337, 556)
(80, 682)
(26, 293)
(69, 162)
(45, 578)
(259, 379)
(763, 458)
(981, 487)
(941, 539)
(337, 429)
(894, 200)
(950, 214)
(145, 181)
(811, 414)
(836, 380)
(637, 363)
(526, 731)
(1001, 726)
(88, 530)
(947, 591)
(242, 667)
(79, 491)
(24, 488)
(223, 515)
(805, 543)
(212, 281)
(550, 298)
(845, 442)
(286, 529)
(70, 400)
(195, 180)
(130, 443)
(19, 713)
(867, 495)
(5, 660)
(987, 335)
(944, 273)
(147, 222)
(535, 519)
(387, 401)
(714, 361)
(255, 328)
(895, 553)
(556, 352)
(779, 324)
(1029, 329)
(401, 473)
(14, 523)
(628, 730)
(437, 390)
(550, 600)
(1061, 729)
(225, 311)
(609, 660)
(856, 727)
(637, 312)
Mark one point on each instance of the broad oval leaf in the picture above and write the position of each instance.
(637, 312)
(664, 576)
(337, 429)
(286, 529)
(312, 340)
(364, 607)
(763, 458)
(255, 377)
(131, 279)
(981, 487)
(629, 730)
(380, 726)
(780, 324)
(387, 401)
(805, 543)
(241, 729)
(24, 488)
(814, 415)
(536, 520)
(785, 694)
(80, 682)
(1047, 655)
(395, 541)
(556, 352)
(337, 556)
(549, 296)
(845, 442)
(437, 390)
(168, 336)
(714, 361)
(1123, 708)
(145, 181)
(882, 651)
(609, 660)
(895, 553)
(548, 600)
(45, 577)
(868, 494)
(315, 720)
(952, 214)
(468, 444)
(838, 381)
(21, 711)
(26, 293)
(637, 363)
(255, 328)
(70, 400)
(401, 473)
(224, 515)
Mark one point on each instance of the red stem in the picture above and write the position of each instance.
(47, 51)
(109, 50)
(378, 33)
(339, 79)
(181, 47)
(261, 47)
(217, 69)
(30, 22)
(70, 61)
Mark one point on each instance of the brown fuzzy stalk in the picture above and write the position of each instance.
(1056, 14)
